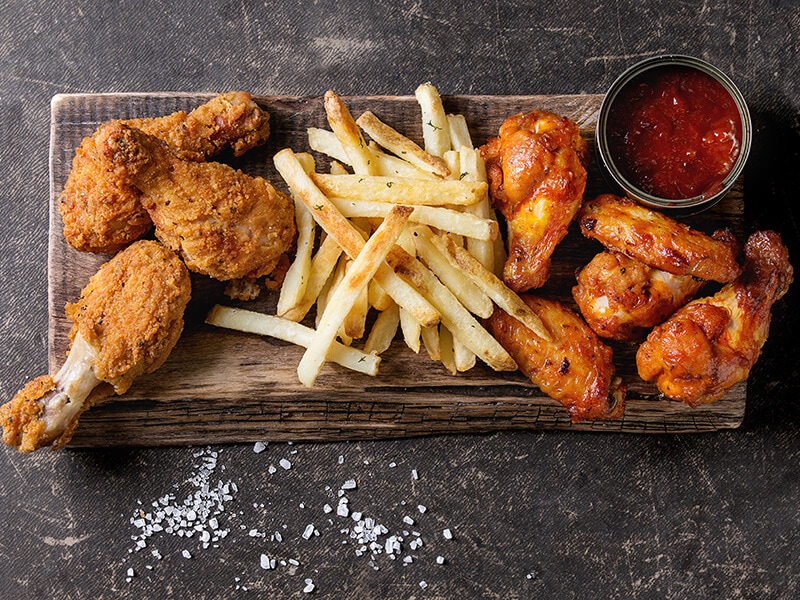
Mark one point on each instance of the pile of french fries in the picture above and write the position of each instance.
(407, 231)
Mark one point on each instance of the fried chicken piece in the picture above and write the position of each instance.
(575, 368)
(125, 323)
(712, 343)
(658, 241)
(223, 223)
(100, 207)
(537, 176)
(622, 298)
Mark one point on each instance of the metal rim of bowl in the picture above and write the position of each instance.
(699, 202)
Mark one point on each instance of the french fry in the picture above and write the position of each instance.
(383, 331)
(446, 219)
(469, 294)
(345, 234)
(464, 357)
(363, 268)
(326, 142)
(493, 286)
(430, 339)
(262, 324)
(400, 145)
(446, 350)
(322, 265)
(401, 190)
(459, 132)
(411, 330)
(296, 278)
(474, 169)
(341, 121)
(435, 128)
(453, 314)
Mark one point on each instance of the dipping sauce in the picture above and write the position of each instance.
(675, 132)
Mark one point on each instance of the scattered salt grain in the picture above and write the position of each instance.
(448, 535)
(440, 560)
(186, 554)
(286, 464)
(267, 563)
(350, 484)
(423, 584)
(422, 508)
(408, 520)
(309, 531)
(271, 469)
(259, 447)
(414, 474)
(309, 586)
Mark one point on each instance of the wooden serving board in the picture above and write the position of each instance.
(220, 386)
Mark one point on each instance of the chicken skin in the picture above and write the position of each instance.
(658, 241)
(537, 176)
(575, 368)
(100, 206)
(622, 298)
(125, 323)
(712, 343)
(222, 222)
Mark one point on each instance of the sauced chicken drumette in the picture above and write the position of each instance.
(222, 222)
(574, 368)
(100, 206)
(712, 343)
(658, 241)
(125, 323)
(537, 176)
(622, 298)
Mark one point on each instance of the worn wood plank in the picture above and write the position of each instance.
(220, 386)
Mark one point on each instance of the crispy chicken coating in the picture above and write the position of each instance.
(100, 206)
(537, 176)
(125, 323)
(658, 241)
(712, 343)
(575, 368)
(223, 223)
(622, 298)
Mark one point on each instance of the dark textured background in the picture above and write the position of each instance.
(539, 514)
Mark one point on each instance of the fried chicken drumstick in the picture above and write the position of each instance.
(537, 176)
(100, 206)
(575, 368)
(222, 222)
(125, 323)
(712, 343)
(658, 241)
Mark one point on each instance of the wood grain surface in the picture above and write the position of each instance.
(220, 386)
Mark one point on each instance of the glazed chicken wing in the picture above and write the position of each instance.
(622, 298)
(712, 343)
(125, 323)
(658, 241)
(575, 368)
(537, 176)
(223, 223)
(100, 206)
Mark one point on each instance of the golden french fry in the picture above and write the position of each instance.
(411, 330)
(322, 265)
(464, 357)
(492, 285)
(430, 339)
(403, 147)
(474, 169)
(453, 314)
(364, 266)
(378, 298)
(435, 128)
(341, 121)
(262, 324)
(296, 278)
(446, 350)
(459, 132)
(383, 331)
(338, 168)
(346, 235)
(446, 219)
(469, 294)
(326, 142)
(400, 190)
(392, 166)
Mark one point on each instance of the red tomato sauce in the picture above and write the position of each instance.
(675, 132)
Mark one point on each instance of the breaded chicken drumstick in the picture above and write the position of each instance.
(223, 223)
(125, 323)
(100, 207)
